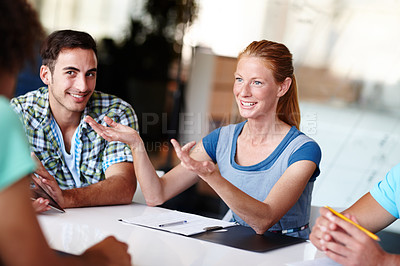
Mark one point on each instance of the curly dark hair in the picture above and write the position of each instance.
(20, 32)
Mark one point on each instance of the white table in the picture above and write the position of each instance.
(79, 228)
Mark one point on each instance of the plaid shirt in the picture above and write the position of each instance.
(93, 154)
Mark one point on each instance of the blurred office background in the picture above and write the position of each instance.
(174, 62)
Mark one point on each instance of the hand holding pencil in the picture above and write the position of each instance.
(345, 241)
(341, 216)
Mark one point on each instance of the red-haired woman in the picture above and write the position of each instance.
(263, 168)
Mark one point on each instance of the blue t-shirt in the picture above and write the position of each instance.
(387, 191)
(258, 180)
(309, 151)
(15, 159)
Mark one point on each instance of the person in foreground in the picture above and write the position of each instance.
(79, 168)
(21, 239)
(377, 209)
(263, 168)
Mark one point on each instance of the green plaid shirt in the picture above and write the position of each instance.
(93, 154)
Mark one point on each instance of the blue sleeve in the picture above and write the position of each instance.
(210, 144)
(309, 151)
(386, 192)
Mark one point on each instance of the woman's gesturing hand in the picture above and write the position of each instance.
(201, 168)
(116, 132)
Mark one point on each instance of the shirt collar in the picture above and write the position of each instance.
(90, 110)
(42, 114)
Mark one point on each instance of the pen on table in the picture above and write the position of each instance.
(173, 223)
(212, 228)
(373, 236)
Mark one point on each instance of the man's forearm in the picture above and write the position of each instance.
(111, 191)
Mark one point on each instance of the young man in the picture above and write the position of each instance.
(21, 240)
(79, 167)
(348, 245)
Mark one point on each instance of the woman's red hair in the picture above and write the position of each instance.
(278, 58)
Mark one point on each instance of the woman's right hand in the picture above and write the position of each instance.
(116, 132)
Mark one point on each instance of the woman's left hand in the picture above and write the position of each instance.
(202, 168)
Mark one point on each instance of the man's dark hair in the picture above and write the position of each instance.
(20, 32)
(61, 39)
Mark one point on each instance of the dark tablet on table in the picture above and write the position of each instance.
(243, 237)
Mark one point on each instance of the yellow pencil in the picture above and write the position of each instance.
(373, 236)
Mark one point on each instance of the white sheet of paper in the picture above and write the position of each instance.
(178, 222)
